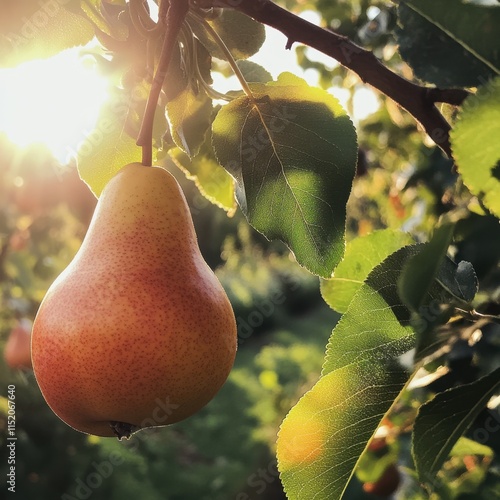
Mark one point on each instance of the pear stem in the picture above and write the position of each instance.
(122, 430)
(173, 20)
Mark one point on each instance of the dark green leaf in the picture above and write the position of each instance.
(466, 280)
(418, 276)
(460, 281)
(293, 152)
(443, 420)
(450, 42)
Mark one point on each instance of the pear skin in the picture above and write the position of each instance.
(137, 331)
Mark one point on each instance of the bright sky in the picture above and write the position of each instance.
(57, 101)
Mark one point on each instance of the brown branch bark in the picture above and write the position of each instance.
(419, 101)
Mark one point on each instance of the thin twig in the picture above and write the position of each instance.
(419, 101)
(173, 19)
(216, 38)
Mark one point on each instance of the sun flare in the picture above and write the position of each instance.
(53, 102)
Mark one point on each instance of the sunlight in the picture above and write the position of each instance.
(53, 101)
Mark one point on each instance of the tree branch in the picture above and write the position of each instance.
(419, 101)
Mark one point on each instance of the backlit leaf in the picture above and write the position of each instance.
(253, 72)
(323, 437)
(36, 30)
(210, 178)
(242, 35)
(476, 145)
(108, 147)
(189, 115)
(361, 256)
(293, 153)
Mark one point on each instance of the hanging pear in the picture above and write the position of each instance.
(17, 353)
(137, 331)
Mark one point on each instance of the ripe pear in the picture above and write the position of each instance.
(137, 331)
(17, 352)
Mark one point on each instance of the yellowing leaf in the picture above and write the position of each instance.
(213, 182)
(108, 147)
(35, 30)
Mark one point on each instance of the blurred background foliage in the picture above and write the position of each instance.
(227, 450)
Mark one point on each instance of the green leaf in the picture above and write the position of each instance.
(253, 72)
(176, 79)
(323, 437)
(38, 30)
(189, 116)
(108, 147)
(433, 275)
(450, 42)
(441, 421)
(459, 281)
(476, 147)
(465, 446)
(189, 109)
(213, 182)
(361, 256)
(293, 153)
(418, 275)
(242, 35)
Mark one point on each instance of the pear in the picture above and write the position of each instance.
(17, 353)
(137, 331)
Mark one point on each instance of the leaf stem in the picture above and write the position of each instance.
(141, 21)
(477, 315)
(218, 40)
(175, 14)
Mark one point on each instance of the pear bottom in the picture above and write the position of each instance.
(149, 361)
